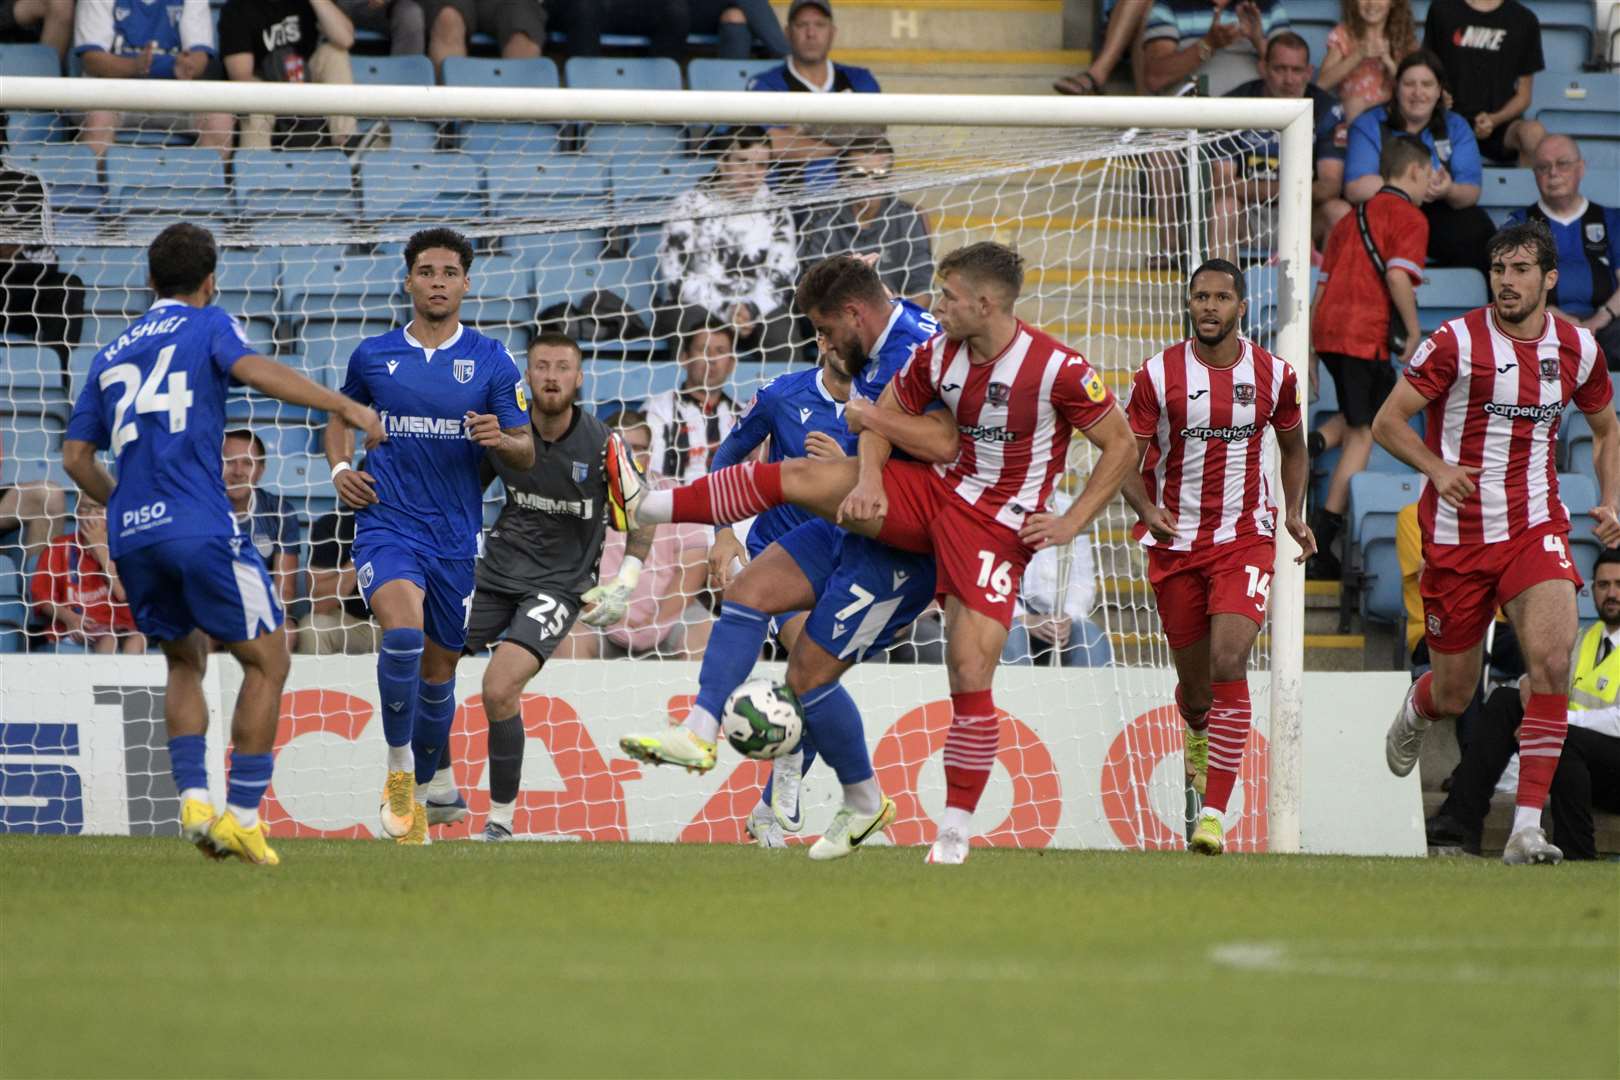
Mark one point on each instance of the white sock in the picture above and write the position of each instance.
(958, 819)
(402, 759)
(1417, 719)
(1526, 817)
(198, 793)
(657, 507)
(1206, 812)
(246, 817)
(500, 813)
(703, 723)
(762, 809)
(443, 786)
(864, 797)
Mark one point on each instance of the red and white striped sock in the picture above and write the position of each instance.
(730, 494)
(1541, 741)
(970, 749)
(1229, 717)
(1195, 721)
(1422, 699)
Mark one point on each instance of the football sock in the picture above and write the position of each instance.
(435, 712)
(443, 787)
(399, 677)
(250, 776)
(655, 507)
(733, 649)
(864, 797)
(501, 814)
(728, 495)
(958, 818)
(1194, 721)
(1420, 707)
(187, 764)
(833, 720)
(1541, 741)
(806, 753)
(1229, 718)
(506, 740)
(970, 748)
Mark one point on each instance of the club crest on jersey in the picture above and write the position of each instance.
(580, 472)
(1433, 623)
(998, 394)
(1549, 367)
(1243, 393)
(1596, 233)
(462, 370)
(1094, 387)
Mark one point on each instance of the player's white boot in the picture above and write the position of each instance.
(672, 746)
(625, 485)
(950, 848)
(849, 830)
(787, 782)
(762, 826)
(1405, 737)
(1530, 847)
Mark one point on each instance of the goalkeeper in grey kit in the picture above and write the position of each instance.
(539, 564)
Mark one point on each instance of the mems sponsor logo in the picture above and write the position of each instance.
(580, 508)
(424, 427)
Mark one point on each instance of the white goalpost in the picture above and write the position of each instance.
(587, 207)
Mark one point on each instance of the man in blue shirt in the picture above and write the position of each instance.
(807, 566)
(156, 398)
(1588, 237)
(447, 395)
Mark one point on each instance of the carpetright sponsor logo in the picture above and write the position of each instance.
(425, 427)
(1235, 433)
(1541, 414)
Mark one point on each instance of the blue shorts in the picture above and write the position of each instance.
(446, 583)
(866, 592)
(216, 583)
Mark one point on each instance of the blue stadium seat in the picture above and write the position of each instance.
(749, 377)
(287, 192)
(281, 440)
(1575, 91)
(484, 137)
(631, 382)
(70, 173)
(296, 476)
(622, 73)
(1375, 501)
(13, 626)
(705, 73)
(1327, 398)
(30, 438)
(361, 288)
(1315, 35)
(1318, 11)
(247, 289)
(642, 179)
(555, 248)
(253, 409)
(25, 126)
(31, 382)
(415, 70)
(419, 185)
(1447, 293)
(166, 181)
(1575, 443)
(116, 288)
(565, 284)
(562, 188)
(1506, 190)
(502, 292)
(645, 142)
(1579, 494)
(1564, 48)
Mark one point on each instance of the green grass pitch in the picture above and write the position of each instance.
(135, 957)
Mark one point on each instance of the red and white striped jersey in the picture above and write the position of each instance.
(1017, 413)
(1495, 403)
(1209, 465)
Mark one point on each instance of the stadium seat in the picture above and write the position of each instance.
(559, 284)
(1375, 501)
(13, 626)
(282, 440)
(288, 192)
(622, 73)
(419, 185)
(69, 172)
(166, 181)
(1575, 91)
(502, 292)
(562, 188)
(1448, 293)
(1315, 34)
(24, 126)
(416, 70)
(247, 285)
(706, 73)
(634, 142)
(327, 347)
(631, 381)
(1564, 48)
(1506, 190)
(254, 409)
(30, 438)
(362, 288)
(750, 376)
(296, 476)
(1319, 11)
(555, 248)
(642, 179)
(1575, 442)
(483, 137)
(31, 382)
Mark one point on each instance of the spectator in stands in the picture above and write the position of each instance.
(163, 39)
(267, 519)
(401, 20)
(803, 148)
(687, 425)
(1588, 287)
(883, 225)
(1125, 20)
(1588, 773)
(1042, 625)
(740, 24)
(1364, 315)
(1459, 230)
(292, 41)
(1192, 39)
(727, 254)
(518, 26)
(1364, 50)
(1491, 50)
(35, 507)
(339, 621)
(1249, 179)
(76, 591)
(49, 22)
(38, 301)
(585, 21)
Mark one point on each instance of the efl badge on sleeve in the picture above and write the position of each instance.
(1243, 393)
(1549, 367)
(517, 392)
(1421, 355)
(1095, 390)
(998, 394)
(463, 370)
(580, 472)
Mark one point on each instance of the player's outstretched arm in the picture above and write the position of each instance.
(1606, 463)
(283, 383)
(931, 437)
(1296, 473)
(1113, 436)
(1392, 428)
(79, 459)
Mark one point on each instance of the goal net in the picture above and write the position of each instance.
(665, 234)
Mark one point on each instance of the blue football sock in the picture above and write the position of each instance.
(833, 719)
(435, 711)
(250, 776)
(399, 676)
(733, 648)
(186, 762)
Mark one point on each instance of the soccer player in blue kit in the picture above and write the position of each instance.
(447, 395)
(852, 593)
(156, 398)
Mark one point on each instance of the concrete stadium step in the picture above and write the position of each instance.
(950, 25)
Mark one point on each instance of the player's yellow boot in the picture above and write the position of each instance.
(672, 746)
(418, 834)
(1195, 752)
(1208, 837)
(229, 837)
(196, 818)
(398, 810)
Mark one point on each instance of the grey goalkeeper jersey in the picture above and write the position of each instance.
(549, 535)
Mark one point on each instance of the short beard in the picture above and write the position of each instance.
(1211, 342)
(540, 406)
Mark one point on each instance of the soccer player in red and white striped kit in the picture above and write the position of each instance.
(1494, 385)
(1018, 396)
(1199, 411)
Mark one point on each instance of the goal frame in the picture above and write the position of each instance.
(1291, 118)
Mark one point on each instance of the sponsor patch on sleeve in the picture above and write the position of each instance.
(1095, 390)
(522, 399)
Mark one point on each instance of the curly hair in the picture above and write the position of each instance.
(1400, 28)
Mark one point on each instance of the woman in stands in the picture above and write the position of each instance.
(1364, 50)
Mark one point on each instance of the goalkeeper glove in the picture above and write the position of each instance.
(613, 598)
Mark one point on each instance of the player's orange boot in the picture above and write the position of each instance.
(398, 810)
(625, 484)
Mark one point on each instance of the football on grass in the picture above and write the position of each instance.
(763, 720)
